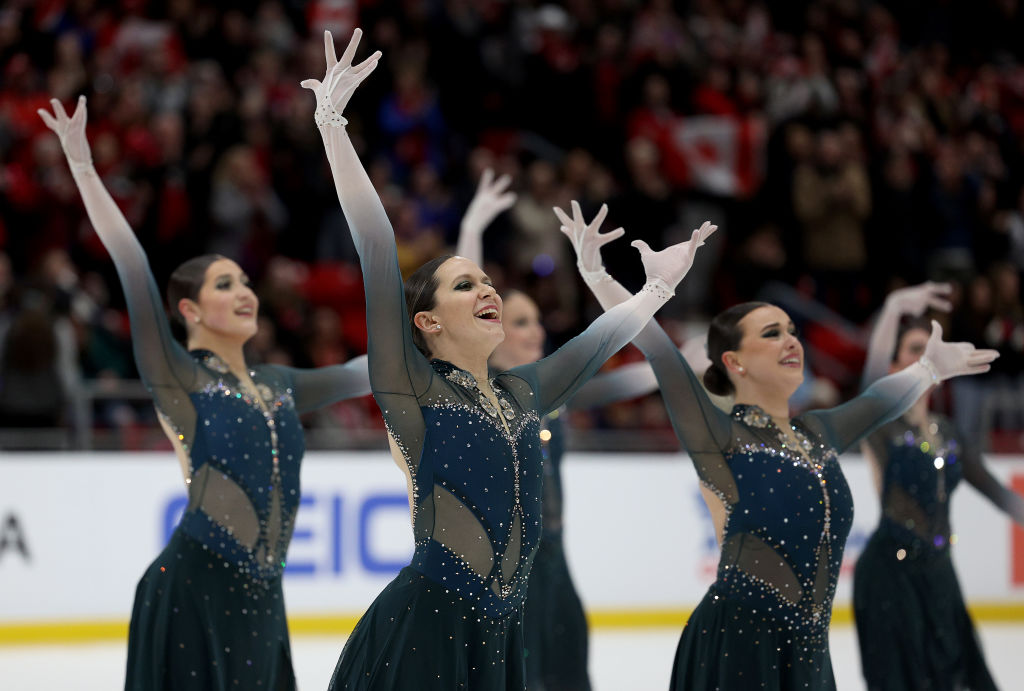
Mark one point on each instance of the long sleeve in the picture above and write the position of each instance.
(882, 402)
(701, 426)
(395, 365)
(316, 388)
(555, 378)
(470, 244)
(166, 368)
(621, 384)
(881, 345)
(976, 473)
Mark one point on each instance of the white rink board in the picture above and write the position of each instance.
(637, 532)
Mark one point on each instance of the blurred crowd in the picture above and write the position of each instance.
(844, 147)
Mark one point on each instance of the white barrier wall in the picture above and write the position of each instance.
(78, 530)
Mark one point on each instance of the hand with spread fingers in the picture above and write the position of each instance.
(70, 131)
(916, 300)
(340, 81)
(587, 240)
(492, 198)
(672, 263)
(945, 360)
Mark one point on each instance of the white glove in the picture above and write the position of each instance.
(917, 299)
(666, 268)
(491, 198)
(71, 132)
(342, 78)
(945, 360)
(587, 240)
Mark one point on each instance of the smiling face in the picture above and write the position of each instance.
(226, 306)
(467, 308)
(770, 356)
(524, 335)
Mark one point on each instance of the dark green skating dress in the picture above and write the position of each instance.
(452, 619)
(208, 613)
(913, 626)
(764, 622)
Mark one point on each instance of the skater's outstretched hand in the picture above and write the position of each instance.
(668, 267)
(917, 299)
(945, 360)
(340, 81)
(587, 240)
(492, 197)
(70, 131)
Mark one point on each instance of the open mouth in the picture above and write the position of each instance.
(488, 314)
(245, 311)
(791, 361)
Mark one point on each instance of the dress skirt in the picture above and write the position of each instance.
(418, 635)
(555, 627)
(728, 645)
(913, 626)
(199, 624)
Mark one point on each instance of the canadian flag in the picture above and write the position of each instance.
(719, 154)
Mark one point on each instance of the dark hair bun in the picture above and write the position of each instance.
(716, 381)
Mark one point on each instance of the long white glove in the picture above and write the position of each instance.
(341, 79)
(664, 269)
(492, 198)
(71, 132)
(943, 360)
(914, 300)
(587, 240)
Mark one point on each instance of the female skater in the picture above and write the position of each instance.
(209, 612)
(778, 499)
(468, 443)
(913, 626)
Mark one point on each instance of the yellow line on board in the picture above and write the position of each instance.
(54, 632)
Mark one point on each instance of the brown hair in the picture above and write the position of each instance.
(724, 334)
(420, 294)
(908, 324)
(187, 280)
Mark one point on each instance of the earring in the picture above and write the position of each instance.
(437, 327)
(196, 320)
(741, 370)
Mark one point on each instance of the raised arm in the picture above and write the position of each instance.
(700, 425)
(166, 368)
(891, 396)
(556, 377)
(395, 365)
(914, 300)
(638, 379)
(322, 386)
(491, 198)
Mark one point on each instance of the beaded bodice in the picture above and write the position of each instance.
(244, 458)
(789, 512)
(477, 483)
(920, 470)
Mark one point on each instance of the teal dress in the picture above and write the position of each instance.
(452, 619)
(209, 612)
(763, 624)
(912, 622)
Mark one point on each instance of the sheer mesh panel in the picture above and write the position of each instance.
(220, 498)
(457, 528)
(510, 560)
(822, 577)
(904, 510)
(757, 558)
